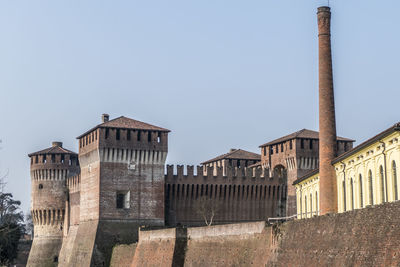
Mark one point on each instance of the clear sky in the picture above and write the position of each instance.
(219, 74)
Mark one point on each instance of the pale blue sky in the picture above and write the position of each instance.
(219, 74)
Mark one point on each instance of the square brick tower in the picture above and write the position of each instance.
(122, 186)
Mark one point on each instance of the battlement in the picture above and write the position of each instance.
(48, 216)
(74, 183)
(64, 159)
(242, 194)
(202, 172)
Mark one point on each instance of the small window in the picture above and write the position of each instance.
(123, 199)
(311, 144)
(118, 135)
(40, 186)
(282, 147)
(138, 135)
(302, 143)
(159, 137)
(290, 144)
(265, 151)
(53, 158)
(128, 135)
(55, 259)
(62, 158)
(107, 133)
(149, 136)
(271, 150)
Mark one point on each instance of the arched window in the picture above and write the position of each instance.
(344, 195)
(301, 205)
(305, 205)
(352, 194)
(382, 182)
(394, 175)
(361, 191)
(370, 184)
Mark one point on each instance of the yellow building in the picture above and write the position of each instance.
(365, 175)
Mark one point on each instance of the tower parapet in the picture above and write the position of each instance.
(50, 169)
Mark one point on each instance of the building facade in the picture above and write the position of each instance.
(366, 175)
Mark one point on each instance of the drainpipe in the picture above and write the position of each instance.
(384, 165)
(344, 179)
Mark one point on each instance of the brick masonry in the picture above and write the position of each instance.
(365, 237)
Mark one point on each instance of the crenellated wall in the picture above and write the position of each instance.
(241, 195)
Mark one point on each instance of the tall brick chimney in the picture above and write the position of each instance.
(327, 124)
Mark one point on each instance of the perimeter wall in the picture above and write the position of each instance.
(366, 237)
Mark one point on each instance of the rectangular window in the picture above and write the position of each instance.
(128, 135)
(311, 144)
(265, 151)
(302, 143)
(118, 135)
(282, 147)
(149, 136)
(271, 150)
(290, 144)
(106, 134)
(123, 200)
(159, 137)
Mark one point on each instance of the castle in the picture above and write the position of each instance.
(83, 204)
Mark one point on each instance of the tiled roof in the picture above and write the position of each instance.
(304, 133)
(236, 154)
(53, 150)
(395, 127)
(126, 123)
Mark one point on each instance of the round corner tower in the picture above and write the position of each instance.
(49, 169)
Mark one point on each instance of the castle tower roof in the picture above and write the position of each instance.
(126, 123)
(56, 148)
(236, 154)
(304, 133)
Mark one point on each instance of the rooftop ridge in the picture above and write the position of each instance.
(303, 133)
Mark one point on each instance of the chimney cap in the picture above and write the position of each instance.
(105, 117)
(232, 149)
(56, 143)
(324, 9)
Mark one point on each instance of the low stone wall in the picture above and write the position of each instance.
(246, 244)
(365, 237)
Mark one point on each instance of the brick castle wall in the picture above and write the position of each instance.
(240, 195)
(365, 237)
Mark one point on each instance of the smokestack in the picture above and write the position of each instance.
(327, 123)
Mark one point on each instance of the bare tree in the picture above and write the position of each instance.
(28, 224)
(11, 224)
(207, 208)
